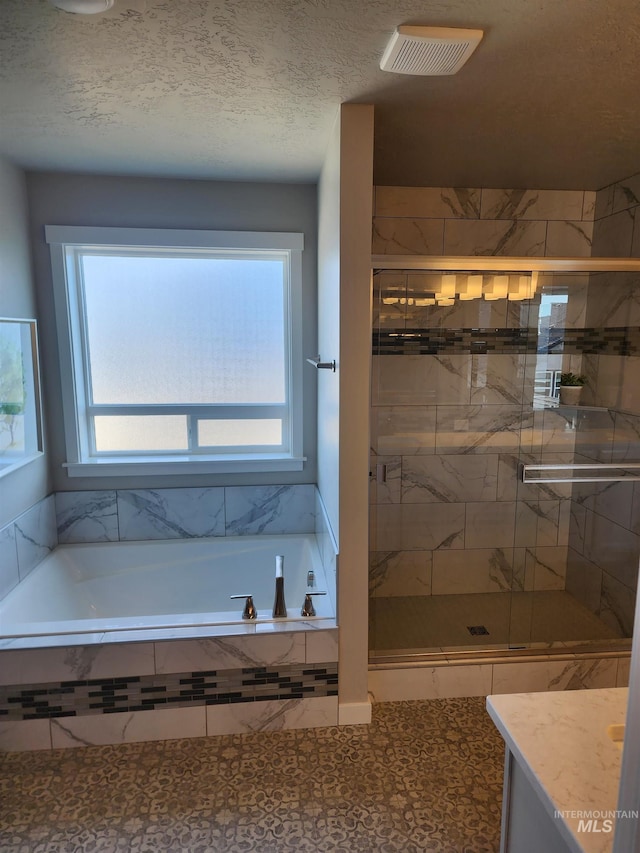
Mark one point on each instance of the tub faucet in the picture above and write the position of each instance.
(279, 606)
(249, 611)
(307, 608)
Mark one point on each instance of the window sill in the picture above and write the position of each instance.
(156, 465)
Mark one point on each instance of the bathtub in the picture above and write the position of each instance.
(168, 584)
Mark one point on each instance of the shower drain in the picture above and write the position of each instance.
(477, 630)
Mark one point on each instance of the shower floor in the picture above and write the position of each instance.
(441, 622)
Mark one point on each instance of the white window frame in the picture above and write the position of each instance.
(63, 243)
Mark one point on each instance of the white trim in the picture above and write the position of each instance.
(354, 714)
(80, 235)
(137, 466)
(65, 241)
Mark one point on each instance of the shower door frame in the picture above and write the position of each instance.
(495, 263)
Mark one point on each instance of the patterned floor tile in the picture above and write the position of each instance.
(422, 776)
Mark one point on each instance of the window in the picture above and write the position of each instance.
(180, 350)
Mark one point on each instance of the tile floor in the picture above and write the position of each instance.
(422, 776)
(441, 621)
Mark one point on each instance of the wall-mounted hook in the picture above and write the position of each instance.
(323, 365)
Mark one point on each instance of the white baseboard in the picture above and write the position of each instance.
(354, 714)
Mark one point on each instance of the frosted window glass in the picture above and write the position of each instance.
(147, 432)
(236, 433)
(185, 330)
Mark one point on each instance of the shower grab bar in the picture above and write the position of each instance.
(529, 473)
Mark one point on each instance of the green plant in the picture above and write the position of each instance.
(572, 379)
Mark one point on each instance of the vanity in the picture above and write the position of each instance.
(562, 769)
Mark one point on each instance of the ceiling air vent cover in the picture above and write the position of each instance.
(429, 50)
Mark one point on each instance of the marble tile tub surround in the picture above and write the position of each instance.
(85, 681)
(185, 513)
(25, 542)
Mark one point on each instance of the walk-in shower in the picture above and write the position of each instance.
(487, 533)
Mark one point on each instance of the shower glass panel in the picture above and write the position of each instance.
(466, 369)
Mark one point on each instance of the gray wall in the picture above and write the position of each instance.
(24, 487)
(65, 199)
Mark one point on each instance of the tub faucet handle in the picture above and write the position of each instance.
(307, 608)
(249, 611)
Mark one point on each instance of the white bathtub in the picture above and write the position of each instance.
(132, 586)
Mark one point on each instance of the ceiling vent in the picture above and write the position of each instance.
(429, 50)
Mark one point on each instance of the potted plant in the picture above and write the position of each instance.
(571, 388)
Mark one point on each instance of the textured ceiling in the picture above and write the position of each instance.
(249, 89)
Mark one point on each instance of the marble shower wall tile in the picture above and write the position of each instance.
(613, 235)
(612, 548)
(36, 535)
(612, 500)
(626, 438)
(395, 236)
(545, 568)
(617, 605)
(584, 580)
(537, 522)
(399, 573)
(501, 379)
(87, 516)
(420, 380)
(629, 394)
(604, 202)
(594, 436)
(472, 571)
(9, 575)
(626, 193)
(269, 509)
(478, 429)
(614, 299)
(510, 486)
(385, 480)
(494, 237)
(569, 239)
(490, 525)
(403, 430)
(417, 527)
(450, 479)
(589, 205)
(170, 513)
(532, 204)
(428, 202)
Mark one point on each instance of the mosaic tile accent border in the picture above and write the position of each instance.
(621, 340)
(149, 692)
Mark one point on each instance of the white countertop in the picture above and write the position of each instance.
(561, 743)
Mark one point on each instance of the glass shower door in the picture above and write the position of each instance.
(450, 380)
(578, 537)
